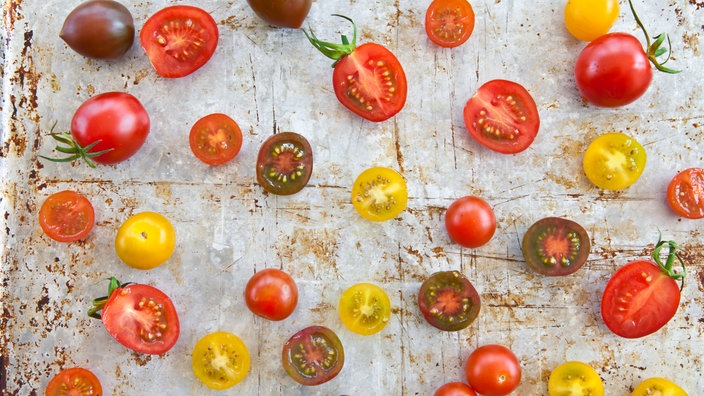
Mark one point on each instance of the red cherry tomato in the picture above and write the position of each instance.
(470, 221)
(449, 23)
(455, 389)
(215, 139)
(74, 381)
(66, 216)
(685, 193)
(493, 370)
(271, 294)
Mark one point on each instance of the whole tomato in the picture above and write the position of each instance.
(493, 370)
(100, 29)
(455, 389)
(470, 221)
(271, 294)
(282, 13)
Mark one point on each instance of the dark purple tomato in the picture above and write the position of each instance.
(313, 356)
(100, 29)
(282, 13)
(448, 301)
(284, 163)
(555, 246)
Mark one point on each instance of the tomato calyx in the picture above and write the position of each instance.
(99, 303)
(332, 50)
(672, 254)
(653, 48)
(72, 147)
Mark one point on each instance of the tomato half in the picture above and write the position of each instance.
(365, 308)
(455, 389)
(470, 221)
(555, 246)
(502, 116)
(379, 194)
(284, 163)
(575, 378)
(282, 13)
(140, 317)
(74, 381)
(179, 40)
(493, 370)
(145, 240)
(271, 294)
(448, 301)
(614, 161)
(449, 23)
(220, 360)
(587, 20)
(215, 139)
(313, 355)
(685, 193)
(66, 216)
(658, 386)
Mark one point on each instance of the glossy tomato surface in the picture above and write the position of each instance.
(74, 381)
(613, 70)
(179, 40)
(145, 240)
(493, 370)
(588, 20)
(455, 389)
(272, 294)
(215, 139)
(379, 194)
(313, 356)
(282, 13)
(502, 116)
(365, 308)
(685, 193)
(658, 386)
(448, 301)
(66, 216)
(449, 23)
(470, 221)
(101, 29)
(614, 161)
(575, 378)
(555, 246)
(285, 163)
(114, 121)
(220, 360)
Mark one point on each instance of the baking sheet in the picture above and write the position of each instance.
(271, 80)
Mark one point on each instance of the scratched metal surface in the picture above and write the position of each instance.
(271, 80)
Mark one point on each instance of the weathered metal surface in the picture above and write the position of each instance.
(272, 80)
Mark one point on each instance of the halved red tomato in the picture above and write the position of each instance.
(448, 301)
(179, 40)
(284, 163)
(74, 381)
(449, 23)
(66, 216)
(502, 116)
(685, 194)
(313, 356)
(215, 139)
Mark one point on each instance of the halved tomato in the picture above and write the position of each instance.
(220, 360)
(365, 308)
(658, 386)
(74, 381)
(66, 216)
(502, 116)
(284, 163)
(449, 23)
(215, 139)
(179, 40)
(614, 161)
(448, 301)
(379, 194)
(313, 356)
(555, 246)
(575, 378)
(685, 193)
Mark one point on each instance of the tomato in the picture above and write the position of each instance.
(643, 295)
(140, 317)
(271, 294)
(284, 163)
(554, 246)
(215, 139)
(282, 13)
(470, 221)
(658, 386)
(101, 29)
(575, 378)
(379, 194)
(365, 308)
(587, 20)
(66, 216)
(220, 360)
(449, 23)
(614, 161)
(502, 116)
(455, 389)
(179, 40)
(448, 301)
(74, 381)
(685, 193)
(493, 370)
(368, 80)
(145, 240)
(313, 355)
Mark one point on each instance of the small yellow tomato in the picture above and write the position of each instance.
(614, 161)
(575, 378)
(220, 360)
(146, 240)
(588, 20)
(365, 308)
(379, 194)
(658, 386)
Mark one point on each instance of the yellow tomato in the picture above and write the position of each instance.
(614, 161)
(220, 360)
(146, 240)
(575, 378)
(365, 308)
(588, 20)
(379, 194)
(658, 387)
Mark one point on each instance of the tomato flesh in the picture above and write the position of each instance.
(220, 360)
(74, 381)
(575, 378)
(271, 294)
(658, 386)
(215, 139)
(555, 246)
(449, 301)
(379, 194)
(493, 370)
(685, 193)
(313, 356)
(614, 161)
(365, 308)
(284, 163)
(66, 216)
(449, 23)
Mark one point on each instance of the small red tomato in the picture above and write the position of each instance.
(74, 381)
(685, 193)
(493, 370)
(449, 23)
(470, 221)
(215, 139)
(66, 216)
(271, 294)
(455, 389)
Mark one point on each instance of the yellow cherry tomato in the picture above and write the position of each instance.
(614, 161)
(379, 194)
(220, 360)
(658, 387)
(146, 240)
(365, 308)
(588, 20)
(575, 378)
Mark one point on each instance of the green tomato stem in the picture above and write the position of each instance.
(334, 51)
(653, 49)
(672, 255)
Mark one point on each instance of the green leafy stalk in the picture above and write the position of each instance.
(332, 50)
(672, 255)
(73, 149)
(654, 49)
(99, 303)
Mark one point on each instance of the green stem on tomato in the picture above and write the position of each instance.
(672, 255)
(654, 50)
(99, 303)
(332, 50)
(72, 148)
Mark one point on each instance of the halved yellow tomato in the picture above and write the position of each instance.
(365, 308)
(658, 387)
(145, 240)
(575, 378)
(379, 194)
(614, 161)
(220, 360)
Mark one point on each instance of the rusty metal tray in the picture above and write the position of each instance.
(271, 80)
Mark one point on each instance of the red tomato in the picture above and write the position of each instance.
(493, 370)
(369, 80)
(179, 40)
(140, 317)
(455, 389)
(449, 23)
(502, 116)
(271, 294)
(470, 221)
(215, 139)
(74, 381)
(685, 194)
(66, 216)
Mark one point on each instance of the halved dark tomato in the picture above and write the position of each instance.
(685, 193)
(555, 246)
(179, 40)
(215, 139)
(449, 23)
(285, 163)
(313, 356)
(502, 116)
(449, 301)
(66, 216)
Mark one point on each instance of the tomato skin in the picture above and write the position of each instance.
(502, 116)
(116, 120)
(313, 356)
(179, 40)
(448, 301)
(145, 240)
(614, 161)
(379, 194)
(66, 216)
(613, 70)
(588, 20)
(554, 246)
(282, 13)
(215, 139)
(658, 386)
(685, 193)
(220, 360)
(470, 222)
(100, 29)
(455, 389)
(284, 163)
(639, 299)
(74, 381)
(365, 308)
(575, 378)
(449, 23)
(271, 294)
(493, 370)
